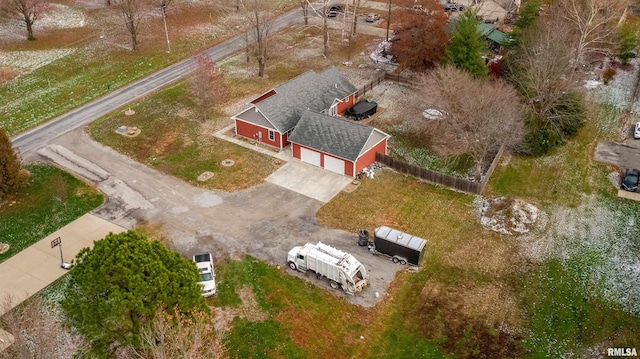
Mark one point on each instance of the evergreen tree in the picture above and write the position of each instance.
(119, 285)
(11, 174)
(466, 46)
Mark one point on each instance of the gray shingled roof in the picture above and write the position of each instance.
(314, 91)
(334, 135)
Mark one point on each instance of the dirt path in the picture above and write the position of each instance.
(265, 221)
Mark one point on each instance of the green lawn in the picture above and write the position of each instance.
(51, 199)
(299, 320)
(172, 140)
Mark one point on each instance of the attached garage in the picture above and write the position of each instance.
(309, 156)
(336, 144)
(334, 164)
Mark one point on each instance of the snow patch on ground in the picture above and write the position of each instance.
(592, 84)
(31, 60)
(381, 54)
(598, 241)
(506, 215)
(619, 91)
(61, 17)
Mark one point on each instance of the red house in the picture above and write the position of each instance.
(272, 116)
(336, 144)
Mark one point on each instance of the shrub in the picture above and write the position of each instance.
(562, 121)
(608, 75)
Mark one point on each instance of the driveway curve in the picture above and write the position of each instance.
(265, 221)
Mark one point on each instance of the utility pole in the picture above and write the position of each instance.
(163, 7)
(388, 20)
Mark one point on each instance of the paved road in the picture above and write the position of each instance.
(30, 141)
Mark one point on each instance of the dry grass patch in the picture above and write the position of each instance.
(331, 339)
(495, 304)
(486, 253)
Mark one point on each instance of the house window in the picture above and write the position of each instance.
(332, 111)
(272, 136)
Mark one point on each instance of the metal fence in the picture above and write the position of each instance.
(456, 183)
(370, 85)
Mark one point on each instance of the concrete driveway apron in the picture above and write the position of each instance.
(309, 180)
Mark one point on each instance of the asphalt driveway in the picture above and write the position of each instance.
(265, 221)
(624, 155)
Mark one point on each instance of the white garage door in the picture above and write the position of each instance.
(311, 157)
(334, 165)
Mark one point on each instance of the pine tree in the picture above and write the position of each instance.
(118, 285)
(11, 174)
(466, 46)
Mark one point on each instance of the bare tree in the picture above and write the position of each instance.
(27, 11)
(304, 4)
(479, 115)
(594, 24)
(132, 12)
(37, 330)
(355, 8)
(207, 87)
(325, 28)
(178, 336)
(541, 67)
(260, 14)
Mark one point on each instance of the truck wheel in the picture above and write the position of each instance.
(333, 284)
(292, 266)
(403, 262)
(395, 260)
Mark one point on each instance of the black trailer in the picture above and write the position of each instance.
(362, 109)
(401, 247)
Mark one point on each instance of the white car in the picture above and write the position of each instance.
(636, 131)
(372, 18)
(207, 274)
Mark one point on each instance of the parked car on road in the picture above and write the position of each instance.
(453, 6)
(334, 10)
(630, 180)
(636, 131)
(372, 17)
(207, 274)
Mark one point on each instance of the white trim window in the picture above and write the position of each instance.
(333, 110)
(272, 135)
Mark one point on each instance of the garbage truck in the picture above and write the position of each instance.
(402, 247)
(342, 269)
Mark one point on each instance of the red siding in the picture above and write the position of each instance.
(369, 157)
(264, 96)
(295, 148)
(250, 130)
(346, 102)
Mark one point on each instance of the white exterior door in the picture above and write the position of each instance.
(309, 156)
(334, 164)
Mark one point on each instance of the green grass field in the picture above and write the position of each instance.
(51, 199)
